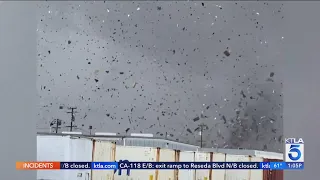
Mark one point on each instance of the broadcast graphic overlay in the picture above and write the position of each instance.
(294, 153)
(127, 166)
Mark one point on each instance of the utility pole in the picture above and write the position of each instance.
(58, 123)
(201, 128)
(201, 135)
(72, 112)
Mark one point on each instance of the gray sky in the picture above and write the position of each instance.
(154, 67)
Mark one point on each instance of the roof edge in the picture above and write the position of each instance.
(257, 153)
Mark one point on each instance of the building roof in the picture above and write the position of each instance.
(167, 143)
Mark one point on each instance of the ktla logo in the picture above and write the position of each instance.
(294, 151)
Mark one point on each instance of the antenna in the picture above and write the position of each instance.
(57, 123)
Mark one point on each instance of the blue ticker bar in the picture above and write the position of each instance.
(75, 165)
(294, 165)
(282, 165)
(189, 165)
(104, 165)
(126, 165)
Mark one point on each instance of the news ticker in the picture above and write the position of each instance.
(126, 165)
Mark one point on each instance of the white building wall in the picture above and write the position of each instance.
(166, 155)
(237, 174)
(66, 148)
(202, 157)
(103, 151)
(145, 154)
(52, 148)
(187, 174)
(63, 148)
(218, 174)
(256, 174)
(80, 150)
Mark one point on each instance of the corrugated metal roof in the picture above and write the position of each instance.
(134, 141)
(269, 155)
(162, 143)
(104, 136)
(229, 151)
(169, 144)
(265, 154)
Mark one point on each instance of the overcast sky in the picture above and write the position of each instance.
(165, 67)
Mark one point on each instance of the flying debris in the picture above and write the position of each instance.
(127, 130)
(224, 119)
(271, 74)
(243, 95)
(144, 80)
(226, 53)
(196, 119)
(134, 84)
(203, 116)
(189, 131)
